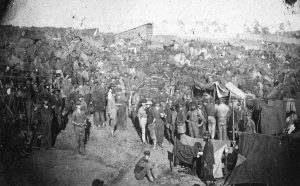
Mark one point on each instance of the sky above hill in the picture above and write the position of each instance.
(177, 17)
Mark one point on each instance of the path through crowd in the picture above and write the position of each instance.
(111, 159)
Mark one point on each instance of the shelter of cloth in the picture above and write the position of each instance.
(261, 159)
(272, 118)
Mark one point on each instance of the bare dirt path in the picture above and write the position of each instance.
(111, 159)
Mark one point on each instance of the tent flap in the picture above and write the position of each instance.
(266, 161)
(235, 91)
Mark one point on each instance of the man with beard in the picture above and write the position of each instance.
(194, 116)
(207, 160)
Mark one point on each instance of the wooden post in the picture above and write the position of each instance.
(233, 127)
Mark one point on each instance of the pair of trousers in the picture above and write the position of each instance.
(151, 128)
(193, 129)
(223, 132)
(99, 117)
(143, 122)
(212, 126)
(160, 130)
(170, 132)
(79, 136)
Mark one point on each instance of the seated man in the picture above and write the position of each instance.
(145, 168)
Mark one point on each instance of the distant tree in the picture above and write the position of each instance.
(281, 27)
(256, 27)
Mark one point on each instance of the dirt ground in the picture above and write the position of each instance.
(111, 159)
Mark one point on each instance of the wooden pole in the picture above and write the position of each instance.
(233, 127)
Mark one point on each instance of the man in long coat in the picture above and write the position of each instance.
(207, 160)
(46, 117)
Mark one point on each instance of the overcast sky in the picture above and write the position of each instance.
(119, 15)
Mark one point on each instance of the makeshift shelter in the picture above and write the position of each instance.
(219, 147)
(214, 87)
(235, 92)
(229, 90)
(272, 117)
(261, 159)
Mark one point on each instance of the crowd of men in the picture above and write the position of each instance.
(198, 116)
(40, 109)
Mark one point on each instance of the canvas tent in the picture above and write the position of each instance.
(261, 159)
(272, 117)
(228, 89)
(219, 147)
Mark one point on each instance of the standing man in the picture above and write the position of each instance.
(194, 116)
(250, 125)
(46, 117)
(211, 112)
(156, 117)
(222, 112)
(169, 125)
(208, 160)
(98, 99)
(29, 97)
(111, 110)
(56, 105)
(79, 121)
(181, 114)
(145, 168)
(142, 115)
(151, 123)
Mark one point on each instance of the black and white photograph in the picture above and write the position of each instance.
(149, 92)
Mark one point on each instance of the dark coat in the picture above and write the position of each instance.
(208, 161)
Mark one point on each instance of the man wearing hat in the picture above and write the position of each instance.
(155, 117)
(207, 160)
(151, 123)
(79, 121)
(145, 167)
(250, 125)
(194, 116)
(142, 115)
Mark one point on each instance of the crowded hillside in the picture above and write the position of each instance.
(197, 95)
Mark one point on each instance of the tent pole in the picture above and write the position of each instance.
(233, 129)
(215, 94)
